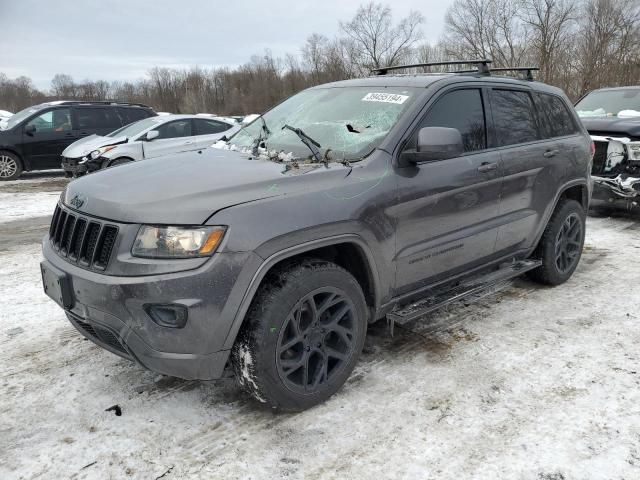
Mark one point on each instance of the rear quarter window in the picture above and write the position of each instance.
(133, 114)
(557, 121)
(514, 117)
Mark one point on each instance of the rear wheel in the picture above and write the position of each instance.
(10, 166)
(560, 247)
(302, 336)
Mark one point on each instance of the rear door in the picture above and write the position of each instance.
(98, 120)
(208, 131)
(53, 133)
(531, 163)
(447, 209)
(174, 137)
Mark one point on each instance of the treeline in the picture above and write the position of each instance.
(579, 45)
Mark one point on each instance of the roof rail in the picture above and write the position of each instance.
(528, 75)
(483, 66)
(99, 102)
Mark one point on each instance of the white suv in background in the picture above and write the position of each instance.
(148, 138)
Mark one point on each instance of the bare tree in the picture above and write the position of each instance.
(376, 40)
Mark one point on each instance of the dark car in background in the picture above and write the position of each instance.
(34, 138)
(612, 117)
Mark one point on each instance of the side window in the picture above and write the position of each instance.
(558, 121)
(58, 120)
(210, 127)
(175, 129)
(135, 114)
(514, 117)
(96, 118)
(461, 109)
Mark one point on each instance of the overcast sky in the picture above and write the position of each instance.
(122, 39)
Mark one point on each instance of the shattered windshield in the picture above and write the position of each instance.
(346, 123)
(610, 103)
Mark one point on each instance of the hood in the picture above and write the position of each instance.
(88, 144)
(613, 126)
(187, 188)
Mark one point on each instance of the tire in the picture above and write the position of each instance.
(560, 247)
(270, 355)
(10, 166)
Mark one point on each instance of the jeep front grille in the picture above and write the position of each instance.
(86, 242)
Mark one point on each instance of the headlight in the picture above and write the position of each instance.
(177, 242)
(100, 151)
(634, 150)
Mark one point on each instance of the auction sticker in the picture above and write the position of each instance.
(385, 97)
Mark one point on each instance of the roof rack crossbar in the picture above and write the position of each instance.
(483, 66)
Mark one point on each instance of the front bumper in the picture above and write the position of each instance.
(109, 310)
(75, 168)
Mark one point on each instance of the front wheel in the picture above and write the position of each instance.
(302, 336)
(560, 247)
(10, 166)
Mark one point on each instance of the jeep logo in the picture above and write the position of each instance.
(77, 201)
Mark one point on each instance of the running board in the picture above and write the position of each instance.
(473, 286)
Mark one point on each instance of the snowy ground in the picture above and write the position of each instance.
(529, 383)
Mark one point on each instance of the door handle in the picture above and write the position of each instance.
(550, 153)
(84, 134)
(487, 167)
(190, 142)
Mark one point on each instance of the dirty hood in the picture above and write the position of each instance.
(613, 126)
(187, 188)
(88, 144)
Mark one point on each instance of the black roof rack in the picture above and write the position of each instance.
(483, 66)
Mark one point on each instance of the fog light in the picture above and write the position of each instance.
(168, 315)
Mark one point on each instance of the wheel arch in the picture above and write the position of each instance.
(577, 190)
(348, 251)
(109, 163)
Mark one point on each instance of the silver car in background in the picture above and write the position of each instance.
(148, 138)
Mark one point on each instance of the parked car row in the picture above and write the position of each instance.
(83, 137)
(34, 138)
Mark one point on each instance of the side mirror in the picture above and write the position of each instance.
(434, 143)
(30, 129)
(151, 134)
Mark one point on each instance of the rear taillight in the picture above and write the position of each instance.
(593, 148)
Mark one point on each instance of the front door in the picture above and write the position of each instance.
(45, 136)
(447, 210)
(174, 137)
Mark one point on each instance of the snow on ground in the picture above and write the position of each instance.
(529, 383)
(32, 195)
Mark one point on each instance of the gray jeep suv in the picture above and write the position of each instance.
(349, 202)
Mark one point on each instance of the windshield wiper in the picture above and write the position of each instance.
(307, 140)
